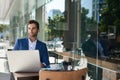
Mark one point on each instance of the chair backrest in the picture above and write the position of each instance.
(63, 75)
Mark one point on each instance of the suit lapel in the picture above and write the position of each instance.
(36, 45)
(27, 45)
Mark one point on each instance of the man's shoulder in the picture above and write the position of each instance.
(40, 42)
(22, 39)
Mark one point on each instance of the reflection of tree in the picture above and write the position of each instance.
(83, 22)
(87, 24)
(110, 15)
(53, 25)
(3, 27)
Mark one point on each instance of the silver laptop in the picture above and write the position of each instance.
(24, 61)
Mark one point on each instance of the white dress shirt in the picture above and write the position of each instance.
(32, 45)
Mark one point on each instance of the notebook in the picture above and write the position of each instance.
(24, 60)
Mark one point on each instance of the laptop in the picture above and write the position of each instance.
(24, 60)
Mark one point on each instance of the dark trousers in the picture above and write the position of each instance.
(94, 72)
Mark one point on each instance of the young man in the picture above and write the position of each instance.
(32, 43)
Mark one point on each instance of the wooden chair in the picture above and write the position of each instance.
(63, 75)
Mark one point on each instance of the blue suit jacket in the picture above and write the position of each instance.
(22, 44)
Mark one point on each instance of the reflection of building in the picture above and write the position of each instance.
(54, 12)
(70, 38)
(97, 6)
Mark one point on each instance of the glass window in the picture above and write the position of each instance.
(81, 28)
(55, 24)
(3, 61)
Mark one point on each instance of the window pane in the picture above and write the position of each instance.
(3, 61)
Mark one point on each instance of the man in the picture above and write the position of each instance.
(89, 46)
(32, 43)
(93, 48)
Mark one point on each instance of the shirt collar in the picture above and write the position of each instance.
(31, 41)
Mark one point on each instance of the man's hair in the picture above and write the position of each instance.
(33, 22)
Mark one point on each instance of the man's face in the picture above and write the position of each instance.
(32, 30)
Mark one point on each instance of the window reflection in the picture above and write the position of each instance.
(55, 25)
(3, 61)
(98, 35)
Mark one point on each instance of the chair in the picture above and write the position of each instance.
(63, 75)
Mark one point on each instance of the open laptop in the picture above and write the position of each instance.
(24, 60)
